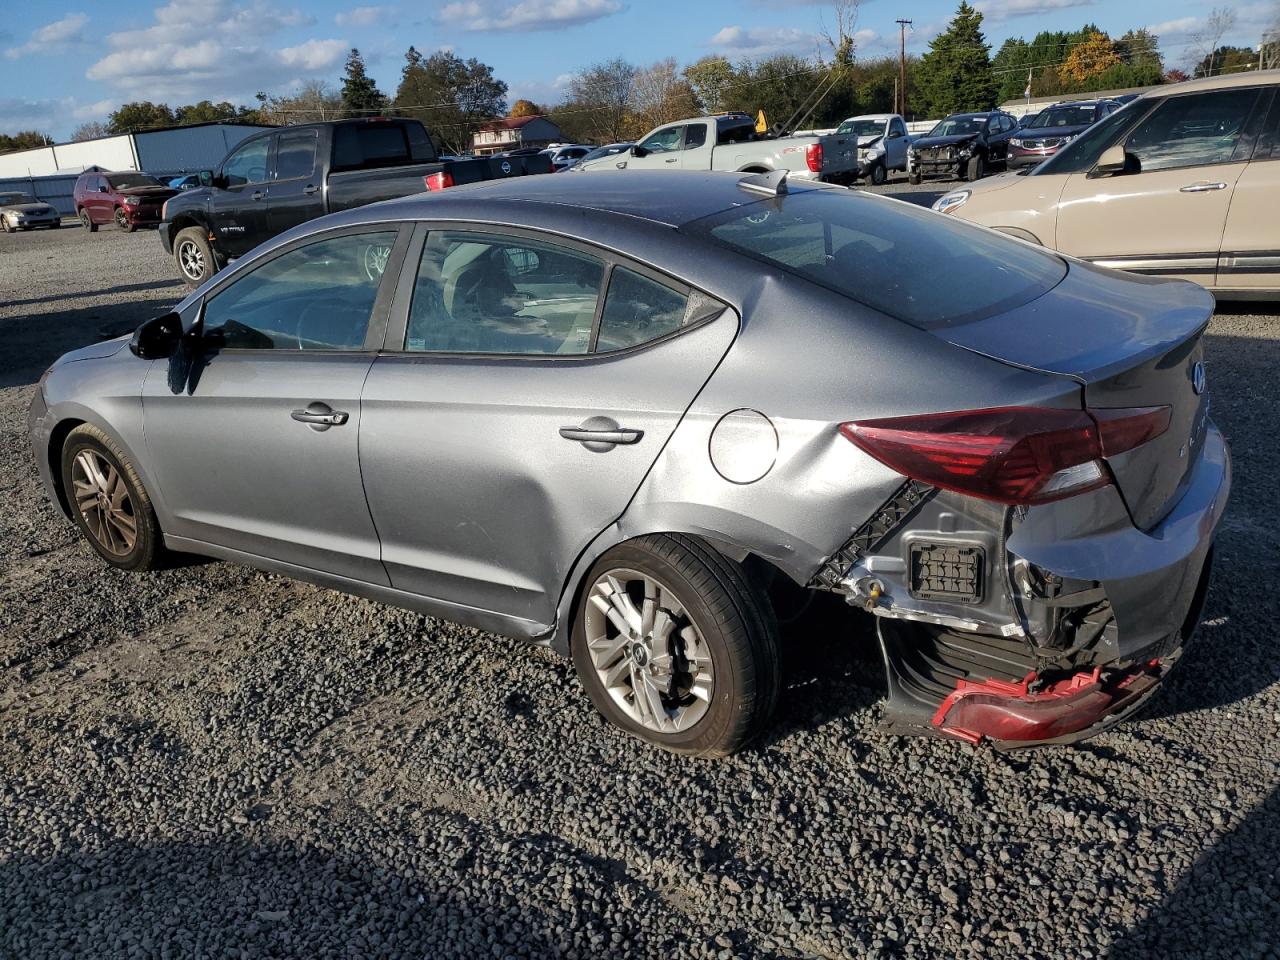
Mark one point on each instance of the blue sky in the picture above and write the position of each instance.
(62, 64)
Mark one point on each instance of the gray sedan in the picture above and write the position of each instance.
(19, 211)
(618, 415)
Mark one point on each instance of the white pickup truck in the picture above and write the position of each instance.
(730, 142)
(882, 144)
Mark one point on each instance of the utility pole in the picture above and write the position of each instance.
(902, 69)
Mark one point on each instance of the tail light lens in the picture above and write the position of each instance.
(813, 157)
(440, 180)
(1015, 455)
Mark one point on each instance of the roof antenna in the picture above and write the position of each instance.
(772, 184)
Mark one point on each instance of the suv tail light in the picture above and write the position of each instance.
(439, 180)
(1015, 455)
(813, 157)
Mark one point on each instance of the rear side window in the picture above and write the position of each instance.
(363, 145)
(928, 270)
(295, 155)
(637, 309)
(695, 135)
(1192, 130)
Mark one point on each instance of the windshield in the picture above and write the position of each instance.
(8, 198)
(1083, 152)
(957, 126)
(862, 128)
(123, 181)
(906, 262)
(1065, 117)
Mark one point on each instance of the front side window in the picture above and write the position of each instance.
(665, 140)
(897, 128)
(315, 297)
(295, 155)
(484, 293)
(248, 164)
(637, 310)
(1192, 130)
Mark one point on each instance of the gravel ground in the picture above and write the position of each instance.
(214, 762)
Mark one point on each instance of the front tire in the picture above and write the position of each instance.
(194, 255)
(87, 222)
(676, 646)
(8, 227)
(122, 221)
(976, 168)
(913, 179)
(108, 502)
(879, 175)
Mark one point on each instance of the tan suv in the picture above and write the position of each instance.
(1182, 182)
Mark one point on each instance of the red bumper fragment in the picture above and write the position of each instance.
(1006, 711)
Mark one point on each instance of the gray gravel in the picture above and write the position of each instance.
(213, 762)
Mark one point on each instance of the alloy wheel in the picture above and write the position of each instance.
(121, 220)
(102, 497)
(650, 656)
(191, 259)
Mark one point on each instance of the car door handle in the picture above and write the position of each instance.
(258, 194)
(1204, 186)
(609, 436)
(310, 188)
(671, 160)
(320, 416)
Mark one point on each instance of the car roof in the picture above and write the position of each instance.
(1245, 78)
(870, 116)
(668, 197)
(980, 113)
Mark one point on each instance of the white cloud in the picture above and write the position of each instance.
(94, 111)
(217, 49)
(1174, 28)
(362, 16)
(996, 10)
(488, 15)
(23, 114)
(60, 33)
(761, 41)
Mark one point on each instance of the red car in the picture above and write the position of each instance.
(130, 200)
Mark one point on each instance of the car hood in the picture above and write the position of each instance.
(951, 141)
(95, 351)
(156, 193)
(1041, 133)
(34, 207)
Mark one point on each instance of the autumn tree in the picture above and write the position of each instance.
(90, 131)
(140, 115)
(599, 102)
(314, 100)
(955, 74)
(526, 108)
(660, 94)
(360, 94)
(1087, 61)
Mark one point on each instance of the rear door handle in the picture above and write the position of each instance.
(320, 416)
(1203, 186)
(310, 188)
(258, 194)
(671, 160)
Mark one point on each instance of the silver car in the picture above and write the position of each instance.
(19, 211)
(616, 415)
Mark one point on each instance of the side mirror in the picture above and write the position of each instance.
(639, 151)
(103, 189)
(157, 338)
(206, 178)
(1113, 160)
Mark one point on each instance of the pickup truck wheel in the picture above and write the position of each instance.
(86, 222)
(194, 255)
(8, 227)
(878, 175)
(976, 168)
(122, 221)
(913, 179)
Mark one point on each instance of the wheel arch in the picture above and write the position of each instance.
(1021, 234)
(184, 220)
(53, 455)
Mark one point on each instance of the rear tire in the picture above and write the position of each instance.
(194, 255)
(913, 179)
(87, 222)
(710, 667)
(108, 502)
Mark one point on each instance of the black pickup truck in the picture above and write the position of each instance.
(276, 180)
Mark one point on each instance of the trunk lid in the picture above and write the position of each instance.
(1131, 342)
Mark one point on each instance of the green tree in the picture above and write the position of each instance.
(1225, 59)
(778, 85)
(141, 115)
(1140, 48)
(315, 100)
(360, 95)
(24, 140)
(956, 74)
(451, 96)
(711, 78)
(206, 111)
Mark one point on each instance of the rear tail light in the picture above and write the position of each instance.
(440, 180)
(1015, 455)
(813, 157)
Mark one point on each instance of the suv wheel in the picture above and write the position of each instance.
(194, 254)
(87, 222)
(976, 168)
(879, 174)
(122, 221)
(676, 646)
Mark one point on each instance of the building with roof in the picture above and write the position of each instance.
(514, 133)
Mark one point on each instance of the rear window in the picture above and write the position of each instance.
(924, 268)
(363, 145)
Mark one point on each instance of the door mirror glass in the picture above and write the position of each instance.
(157, 338)
(1112, 161)
(206, 178)
(639, 151)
